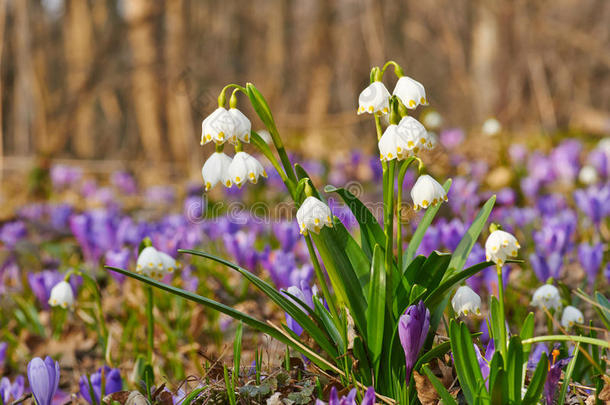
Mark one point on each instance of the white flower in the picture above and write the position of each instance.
(169, 263)
(426, 192)
(588, 175)
(150, 263)
(413, 131)
(374, 99)
(242, 126)
(571, 315)
(410, 92)
(218, 127)
(313, 215)
(62, 295)
(392, 145)
(547, 297)
(433, 119)
(499, 246)
(466, 301)
(491, 127)
(245, 167)
(216, 170)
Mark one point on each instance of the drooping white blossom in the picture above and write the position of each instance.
(410, 92)
(427, 192)
(466, 301)
(242, 127)
(501, 245)
(374, 99)
(62, 295)
(245, 167)
(150, 263)
(394, 146)
(547, 297)
(571, 316)
(218, 127)
(415, 134)
(169, 263)
(312, 215)
(216, 170)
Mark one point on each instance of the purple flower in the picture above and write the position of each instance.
(305, 294)
(600, 159)
(241, 247)
(413, 328)
(287, 233)
(118, 258)
(452, 232)
(517, 153)
(349, 399)
(3, 347)
(553, 376)
(59, 216)
(546, 266)
(484, 361)
(160, 194)
(112, 381)
(451, 138)
(463, 197)
(565, 160)
(14, 390)
(594, 202)
(12, 232)
(125, 182)
(44, 379)
(535, 355)
(63, 176)
(590, 257)
(96, 233)
(506, 196)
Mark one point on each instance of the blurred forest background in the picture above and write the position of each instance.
(131, 80)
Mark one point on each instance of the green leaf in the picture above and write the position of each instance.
(237, 352)
(568, 375)
(240, 316)
(604, 309)
(499, 389)
(403, 288)
(421, 230)
(191, 396)
(375, 313)
(274, 295)
(460, 255)
(527, 331)
(514, 369)
(496, 365)
(436, 351)
(328, 323)
(439, 387)
(431, 272)
(534, 390)
(370, 230)
(466, 364)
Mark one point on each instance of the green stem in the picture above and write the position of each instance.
(150, 321)
(397, 69)
(401, 177)
(568, 338)
(222, 98)
(502, 314)
(388, 227)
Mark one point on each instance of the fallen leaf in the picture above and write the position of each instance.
(426, 393)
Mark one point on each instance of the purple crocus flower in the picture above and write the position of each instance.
(450, 138)
(125, 182)
(553, 376)
(463, 197)
(118, 258)
(112, 383)
(517, 153)
(484, 361)
(535, 355)
(10, 390)
(59, 216)
(43, 376)
(305, 294)
(287, 233)
(452, 232)
(3, 347)
(12, 232)
(349, 399)
(590, 257)
(241, 247)
(565, 160)
(546, 266)
(63, 176)
(413, 328)
(594, 202)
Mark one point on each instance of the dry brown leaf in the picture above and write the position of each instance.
(426, 393)
(604, 394)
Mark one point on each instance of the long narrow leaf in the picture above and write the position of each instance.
(439, 387)
(375, 313)
(534, 390)
(514, 369)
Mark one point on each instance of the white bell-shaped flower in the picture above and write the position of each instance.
(216, 170)
(499, 246)
(571, 316)
(466, 301)
(312, 215)
(392, 145)
(242, 127)
(245, 167)
(547, 297)
(410, 92)
(491, 127)
(375, 98)
(218, 127)
(169, 263)
(415, 134)
(150, 263)
(62, 295)
(427, 192)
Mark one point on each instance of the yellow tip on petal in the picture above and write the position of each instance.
(371, 109)
(412, 103)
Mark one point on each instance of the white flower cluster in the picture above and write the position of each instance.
(404, 140)
(374, 99)
(155, 264)
(234, 127)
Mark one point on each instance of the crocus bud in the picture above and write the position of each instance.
(427, 192)
(571, 316)
(374, 99)
(547, 297)
(216, 170)
(413, 328)
(62, 295)
(466, 301)
(217, 127)
(245, 167)
(410, 92)
(242, 126)
(44, 379)
(312, 215)
(499, 246)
